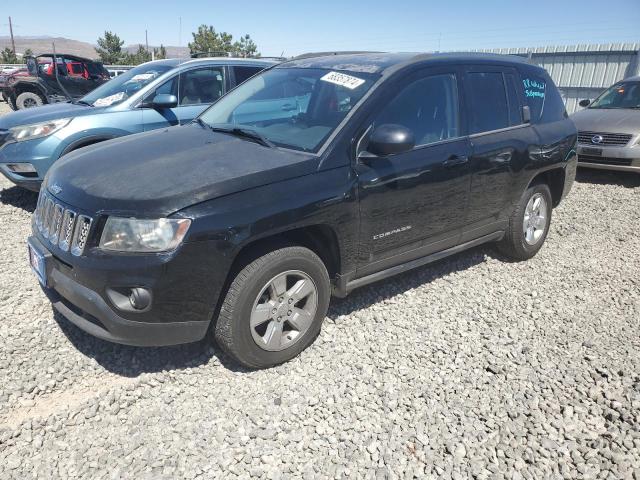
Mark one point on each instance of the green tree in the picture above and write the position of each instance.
(110, 48)
(7, 56)
(140, 56)
(160, 53)
(207, 40)
(245, 47)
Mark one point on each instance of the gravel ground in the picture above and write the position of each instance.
(472, 367)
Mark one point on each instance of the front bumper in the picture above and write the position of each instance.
(89, 312)
(184, 294)
(21, 180)
(622, 159)
(40, 153)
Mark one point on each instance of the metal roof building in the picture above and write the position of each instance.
(583, 71)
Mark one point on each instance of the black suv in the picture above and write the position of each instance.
(316, 176)
(75, 77)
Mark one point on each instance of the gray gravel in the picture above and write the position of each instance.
(473, 367)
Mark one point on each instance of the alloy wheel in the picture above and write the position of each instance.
(535, 219)
(284, 310)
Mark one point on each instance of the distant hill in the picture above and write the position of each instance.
(43, 45)
(75, 47)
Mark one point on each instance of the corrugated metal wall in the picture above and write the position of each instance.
(583, 71)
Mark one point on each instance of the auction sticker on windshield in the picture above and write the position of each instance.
(106, 101)
(343, 80)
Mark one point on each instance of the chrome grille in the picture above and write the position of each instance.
(608, 139)
(66, 232)
(56, 222)
(81, 235)
(48, 217)
(61, 226)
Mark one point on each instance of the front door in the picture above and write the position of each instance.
(414, 203)
(196, 90)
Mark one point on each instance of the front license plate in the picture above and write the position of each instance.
(38, 264)
(592, 151)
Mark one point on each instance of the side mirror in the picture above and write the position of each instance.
(32, 66)
(164, 100)
(584, 103)
(389, 139)
(526, 114)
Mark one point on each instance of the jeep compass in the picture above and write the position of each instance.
(313, 178)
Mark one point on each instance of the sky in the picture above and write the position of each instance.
(294, 27)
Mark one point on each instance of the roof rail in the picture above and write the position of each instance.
(324, 54)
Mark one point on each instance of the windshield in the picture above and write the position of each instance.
(294, 108)
(621, 95)
(125, 85)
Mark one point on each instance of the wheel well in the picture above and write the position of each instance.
(554, 179)
(82, 144)
(25, 87)
(320, 239)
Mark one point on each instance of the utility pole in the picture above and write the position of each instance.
(146, 40)
(13, 43)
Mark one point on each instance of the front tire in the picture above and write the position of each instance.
(528, 224)
(29, 100)
(274, 307)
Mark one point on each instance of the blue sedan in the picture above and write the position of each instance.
(156, 94)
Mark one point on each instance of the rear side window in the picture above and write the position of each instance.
(245, 73)
(488, 106)
(543, 98)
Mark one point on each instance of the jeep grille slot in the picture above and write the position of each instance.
(82, 233)
(61, 226)
(66, 233)
(56, 223)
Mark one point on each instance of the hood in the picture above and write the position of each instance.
(613, 120)
(160, 172)
(44, 113)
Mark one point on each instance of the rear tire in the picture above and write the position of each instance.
(528, 224)
(29, 100)
(274, 307)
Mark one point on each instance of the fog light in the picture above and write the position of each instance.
(21, 168)
(130, 299)
(140, 298)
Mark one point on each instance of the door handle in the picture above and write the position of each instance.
(455, 160)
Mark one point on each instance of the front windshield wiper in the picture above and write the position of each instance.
(238, 132)
(82, 102)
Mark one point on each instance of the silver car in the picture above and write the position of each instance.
(609, 129)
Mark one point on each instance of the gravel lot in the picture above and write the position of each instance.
(472, 367)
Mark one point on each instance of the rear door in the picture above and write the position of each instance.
(500, 140)
(413, 203)
(196, 90)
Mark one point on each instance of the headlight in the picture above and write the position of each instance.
(143, 235)
(37, 130)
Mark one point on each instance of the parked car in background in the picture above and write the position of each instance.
(4, 78)
(609, 128)
(76, 76)
(247, 219)
(156, 94)
(114, 72)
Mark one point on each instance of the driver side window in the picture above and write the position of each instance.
(428, 107)
(170, 87)
(201, 86)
